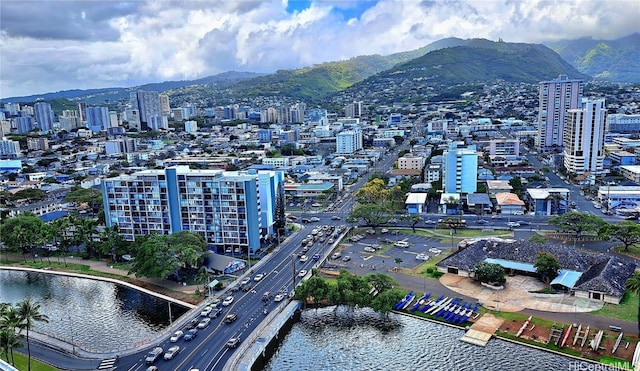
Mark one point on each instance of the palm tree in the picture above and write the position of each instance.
(202, 277)
(29, 312)
(9, 326)
(633, 285)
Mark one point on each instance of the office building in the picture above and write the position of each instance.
(584, 138)
(624, 124)
(233, 211)
(349, 141)
(97, 118)
(556, 97)
(44, 116)
(460, 169)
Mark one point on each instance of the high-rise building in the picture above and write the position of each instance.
(556, 97)
(349, 141)
(12, 109)
(44, 116)
(353, 109)
(584, 138)
(98, 118)
(148, 105)
(24, 124)
(191, 126)
(37, 144)
(9, 149)
(82, 114)
(165, 108)
(233, 211)
(114, 119)
(460, 169)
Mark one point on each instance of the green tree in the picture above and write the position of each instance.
(30, 194)
(22, 233)
(188, 248)
(412, 220)
(29, 313)
(153, 257)
(577, 222)
(202, 277)
(626, 232)
(373, 215)
(9, 331)
(516, 183)
(452, 223)
(547, 266)
(89, 196)
(383, 302)
(381, 282)
(633, 285)
(490, 273)
(373, 192)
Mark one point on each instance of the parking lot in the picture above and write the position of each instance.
(363, 252)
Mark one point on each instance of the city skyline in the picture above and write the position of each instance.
(59, 45)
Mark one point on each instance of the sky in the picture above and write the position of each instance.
(48, 46)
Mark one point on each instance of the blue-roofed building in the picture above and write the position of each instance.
(10, 166)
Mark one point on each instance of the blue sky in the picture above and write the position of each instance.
(65, 44)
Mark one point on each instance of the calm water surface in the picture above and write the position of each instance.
(95, 315)
(322, 342)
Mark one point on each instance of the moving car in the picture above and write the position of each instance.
(482, 221)
(266, 296)
(278, 297)
(171, 352)
(227, 301)
(190, 334)
(316, 205)
(513, 224)
(193, 323)
(315, 219)
(258, 277)
(303, 258)
(204, 323)
(205, 312)
(231, 317)
(302, 273)
(335, 217)
(245, 281)
(176, 336)
(153, 355)
(316, 257)
(233, 342)
(215, 313)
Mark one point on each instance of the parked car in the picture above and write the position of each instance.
(347, 258)
(423, 257)
(176, 336)
(171, 352)
(190, 334)
(435, 250)
(258, 277)
(230, 318)
(227, 301)
(233, 342)
(302, 273)
(204, 323)
(369, 249)
(153, 355)
(384, 230)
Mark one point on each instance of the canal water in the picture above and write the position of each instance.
(95, 315)
(360, 340)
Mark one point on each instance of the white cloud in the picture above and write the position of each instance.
(109, 43)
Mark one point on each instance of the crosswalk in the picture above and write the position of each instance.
(107, 364)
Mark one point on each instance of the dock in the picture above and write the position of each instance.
(482, 330)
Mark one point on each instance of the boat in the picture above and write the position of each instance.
(524, 326)
(409, 301)
(437, 306)
(431, 303)
(636, 355)
(584, 337)
(420, 302)
(469, 313)
(447, 308)
(595, 342)
(575, 338)
(464, 310)
(401, 303)
(452, 313)
(618, 340)
(566, 336)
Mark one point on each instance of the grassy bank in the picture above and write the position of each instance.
(22, 360)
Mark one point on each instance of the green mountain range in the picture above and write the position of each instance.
(611, 60)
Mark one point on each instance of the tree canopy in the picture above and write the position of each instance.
(373, 215)
(547, 266)
(577, 222)
(627, 232)
(490, 273)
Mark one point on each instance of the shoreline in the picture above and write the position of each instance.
(76, 350)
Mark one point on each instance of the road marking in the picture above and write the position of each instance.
(107, 363)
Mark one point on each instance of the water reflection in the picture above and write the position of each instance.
(98, 316)
(322, 341)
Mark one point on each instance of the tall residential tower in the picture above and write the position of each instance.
(584, 138)
(556, 97)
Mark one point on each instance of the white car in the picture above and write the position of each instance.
(513, 224)
(302, 273)
(204, 323)
(369, 249)
(316, 205)
(171, 352)
(278, 297)
(258, 277)
(304, 258)
(245, 281)
(434, 250)
(227, 301)
(205, 312)
(176, 336)
(423, 257)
